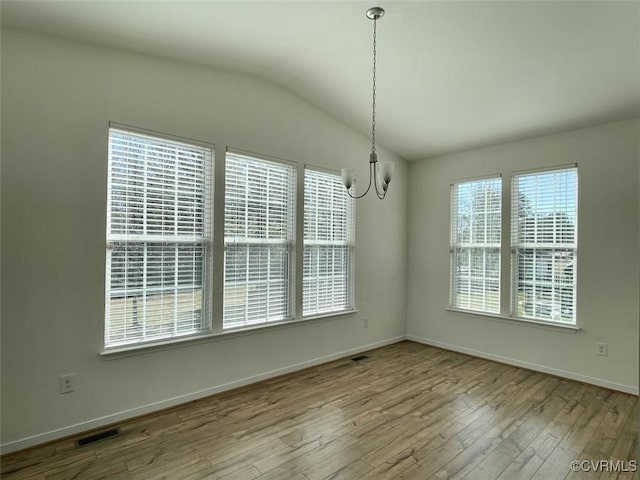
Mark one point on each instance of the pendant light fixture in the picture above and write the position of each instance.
(379, 176)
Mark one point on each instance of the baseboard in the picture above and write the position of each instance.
(93, 424)
(530, 366)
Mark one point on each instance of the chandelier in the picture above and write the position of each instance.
(379, 176)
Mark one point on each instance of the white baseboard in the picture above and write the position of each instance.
(530, 366)
(172, 402)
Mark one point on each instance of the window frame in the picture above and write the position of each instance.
(206, 240)
(289, 244)
(515, 246)
(508, 286)
(348, 244)
(455, 245)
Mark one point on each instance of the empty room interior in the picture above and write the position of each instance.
(320, 240)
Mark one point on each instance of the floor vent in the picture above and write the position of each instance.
(360, 357)
(97, 437)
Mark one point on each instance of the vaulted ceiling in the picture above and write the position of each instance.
(451, 75)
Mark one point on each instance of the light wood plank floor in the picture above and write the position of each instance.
(409, 411)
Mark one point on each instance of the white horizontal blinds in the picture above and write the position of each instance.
(158, 235)
(259, 233)
(328, 244)
(544, 239)
(475, 245)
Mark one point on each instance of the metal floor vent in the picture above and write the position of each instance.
(360, 357)
(96, 437)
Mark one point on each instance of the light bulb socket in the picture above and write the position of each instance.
(387, 171)
(348, 178)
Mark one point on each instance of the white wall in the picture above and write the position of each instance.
(608, 259)
(57, 99)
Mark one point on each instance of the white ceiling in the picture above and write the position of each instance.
(451, 75)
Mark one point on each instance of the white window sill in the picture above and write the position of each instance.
(527, 322)
(180, 342)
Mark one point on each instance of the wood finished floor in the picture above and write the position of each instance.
(409, 411)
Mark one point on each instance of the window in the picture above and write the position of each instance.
(158, 238)
(475, 245)
(328, 244)
(159, 255)
(259, 234)
(543, 237)
(544, 245)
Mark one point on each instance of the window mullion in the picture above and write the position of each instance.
(145, 223)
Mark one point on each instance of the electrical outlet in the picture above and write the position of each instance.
(365, 322)
(67, 383)
(601, 349)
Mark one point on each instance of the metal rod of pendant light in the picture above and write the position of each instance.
(386, 169)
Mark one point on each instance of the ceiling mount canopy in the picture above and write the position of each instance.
(379, 177)
(374, 13)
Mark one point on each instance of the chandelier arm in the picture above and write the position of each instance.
(375, 183)
(368, 188)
